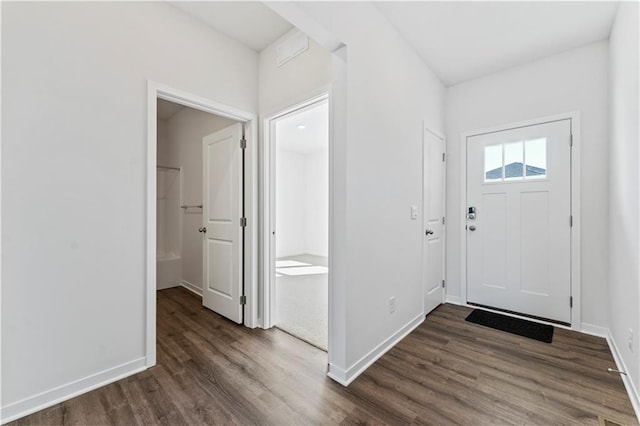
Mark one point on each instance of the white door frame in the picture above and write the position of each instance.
(157, 90)
(424, 215)
(576, 283)
(268, 203)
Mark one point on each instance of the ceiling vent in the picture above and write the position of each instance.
(292, 47)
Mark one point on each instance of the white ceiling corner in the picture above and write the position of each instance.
(461, 41)
(249, 22)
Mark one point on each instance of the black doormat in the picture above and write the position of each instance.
(530, 329)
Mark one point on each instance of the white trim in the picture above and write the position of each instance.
(594, 330)
(632, 391)
(576, 282)
(72, 389)
(157, 90)
(454, 300)
(346, 377)
(191, 287)
(268, 206)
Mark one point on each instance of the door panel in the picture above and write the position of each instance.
(433, 252)
(518, 245)
(222, 208)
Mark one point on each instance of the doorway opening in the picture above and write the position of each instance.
(298, 273)
(201, 194)
(199, 206)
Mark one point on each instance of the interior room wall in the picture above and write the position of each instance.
(572, 81)
(163, 159)
(185, 131)
(317, 203)
(624, 190)
(74, 117)
(302, 203)
(376, 177)
(291, 193)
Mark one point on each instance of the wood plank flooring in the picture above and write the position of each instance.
(447, 371)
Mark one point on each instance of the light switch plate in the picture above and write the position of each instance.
(414, 212)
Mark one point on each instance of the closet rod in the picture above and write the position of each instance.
(168, 168)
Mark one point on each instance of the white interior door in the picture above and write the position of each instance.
(519, 237)
(433, 214)
(221, 212)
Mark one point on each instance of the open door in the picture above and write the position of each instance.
(222, 227)
(433, 189)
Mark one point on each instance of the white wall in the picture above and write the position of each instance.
(376, 177)
(295, 81)
(291, 192)
(302, 203)
(624, 187)
(574, 80)
(185, 132)
(317, 203)
(74, 86)
(168, 191)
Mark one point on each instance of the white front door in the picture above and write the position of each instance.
(518, 225)
(221, 212)
(433, 214)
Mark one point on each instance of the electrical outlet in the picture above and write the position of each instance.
(392, 305)
(630, 334)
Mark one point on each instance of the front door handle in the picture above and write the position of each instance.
(203, 229)
(429, 232)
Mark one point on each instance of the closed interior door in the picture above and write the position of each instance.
(518, 226)
(222, 209)
(433, 252)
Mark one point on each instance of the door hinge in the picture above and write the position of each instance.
(571, 220)
(571, 139)
(443, 156)
(442, 283)
(443, 221)
(571, 301)
(243, 143)
(243, 221)
(243, 300)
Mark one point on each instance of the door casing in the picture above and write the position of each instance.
(157, 90)
(574, 117)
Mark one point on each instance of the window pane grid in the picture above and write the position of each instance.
(516, 161)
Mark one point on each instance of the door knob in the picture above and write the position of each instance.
(203, 229)
(472, 228)
(429, 232)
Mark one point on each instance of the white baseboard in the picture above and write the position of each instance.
(632, 391)
(454, 300)
(594, 330)
(191, 287)
(345, 377)
(46, 399)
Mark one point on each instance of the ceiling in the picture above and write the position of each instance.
(464, 40)
(167, 109)
(310, 140)
(249, 22)
(458, 40)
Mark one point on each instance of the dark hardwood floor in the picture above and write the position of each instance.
(448, 371)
